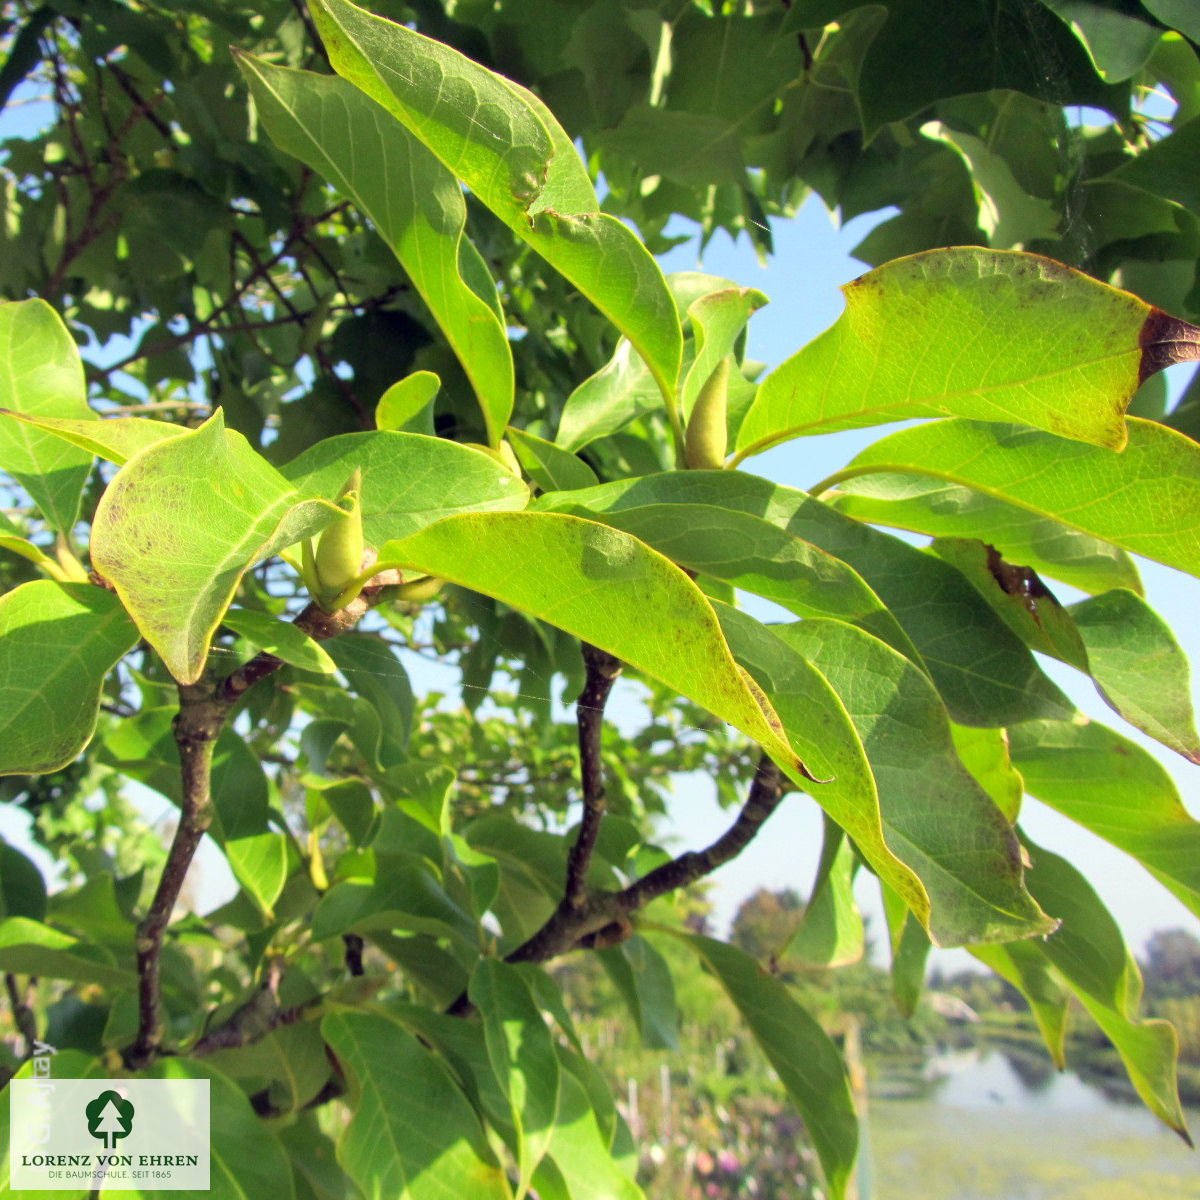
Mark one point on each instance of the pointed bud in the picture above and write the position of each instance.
(339, 552)
(704, 443)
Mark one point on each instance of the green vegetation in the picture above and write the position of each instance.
(335, 359)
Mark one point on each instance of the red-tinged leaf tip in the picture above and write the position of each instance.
(1164, 341)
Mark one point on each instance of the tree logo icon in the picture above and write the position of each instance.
(110, 1117)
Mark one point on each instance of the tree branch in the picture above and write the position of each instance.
(22, 1009)
(602, 672)
(203, 709)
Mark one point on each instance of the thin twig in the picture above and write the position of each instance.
(602, 671)
(22, 1009)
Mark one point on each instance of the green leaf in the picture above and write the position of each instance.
(181, 524)
(830, 932)
(910, 947)
(642, 976)
(116, 439)
(260, 865)
(291, 1058)
(818, 725)
(806, 1061)
(246, 1157)
(415, 203)
(280, 638)
(755, 555)
(30, 948)
(370, 666)
(42, 376)
(988, 334)
(985, 753)
(1118, 40)
(939, 508)
(406, 400)
(522, 1055)
(506, 146)
(413, 1133)
(1024, 965)
(936, 818)
(57, 644)
(1139, 668)
(408, 480)
(983, 672)
(622, 390)
(1116, 789)
(1088, 952)
(601, 585)
(22, 888)
(1018, 597)
(406, 896)
(580, 1165)
(551, 467)
(1145, 499)
(1008, 214)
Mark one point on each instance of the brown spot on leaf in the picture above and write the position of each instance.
(1021, 582)
(1165, 340)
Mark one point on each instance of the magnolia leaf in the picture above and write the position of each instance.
(611, 590)
(116, 439)
(180, 525)
(28, 947)
(551, 467)
(507, 147)
(408, 480)
(1024, 965)
(413, 1132)
(521, 1051)
(405, 400)
(57, 644)
(830, 933)
(1145, 499)
(993, 335)
(936, 507)
(280, 638)
(718, 319)
(937, 819)
(1119, 791)
(984, 673)
(415, 203)
(1139, 668)
(806, 1061)
(42, 377)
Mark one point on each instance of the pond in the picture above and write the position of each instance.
(1003, 1125)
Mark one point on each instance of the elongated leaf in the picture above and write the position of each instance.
(830, 933)
(815, 720)
(406, 400)
(505, 145)
(988, 334)
(608, 588)
(28, 947)
(41, 375)
(1117, 790)
(1139, 668)
(409, 480)
(985, 753)
(947, 509)
(551, 467)
(522, 1055)
(643, 978)
(937, 819)
(260, 865)
(180, 525)
(983, 672)
(57, 644)
(607, 401)
(413, 1132)
(246, 1158)
(22, 888)
(1025, 966)
(757, 556)
(414, 201)
(910, 951)
(1164, 168)
(1088, 952)
(116, 439)
(280, 638)
(806, 1061)
(1145, 499)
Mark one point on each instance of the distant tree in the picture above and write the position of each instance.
(1172, 964)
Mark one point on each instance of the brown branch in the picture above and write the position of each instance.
(22, 1009)
(603, 917)
(253, 1020)
(354, 953)
(602, 671)
(203, 709)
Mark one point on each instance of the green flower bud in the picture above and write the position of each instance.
(704, 443)
(339, 553)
